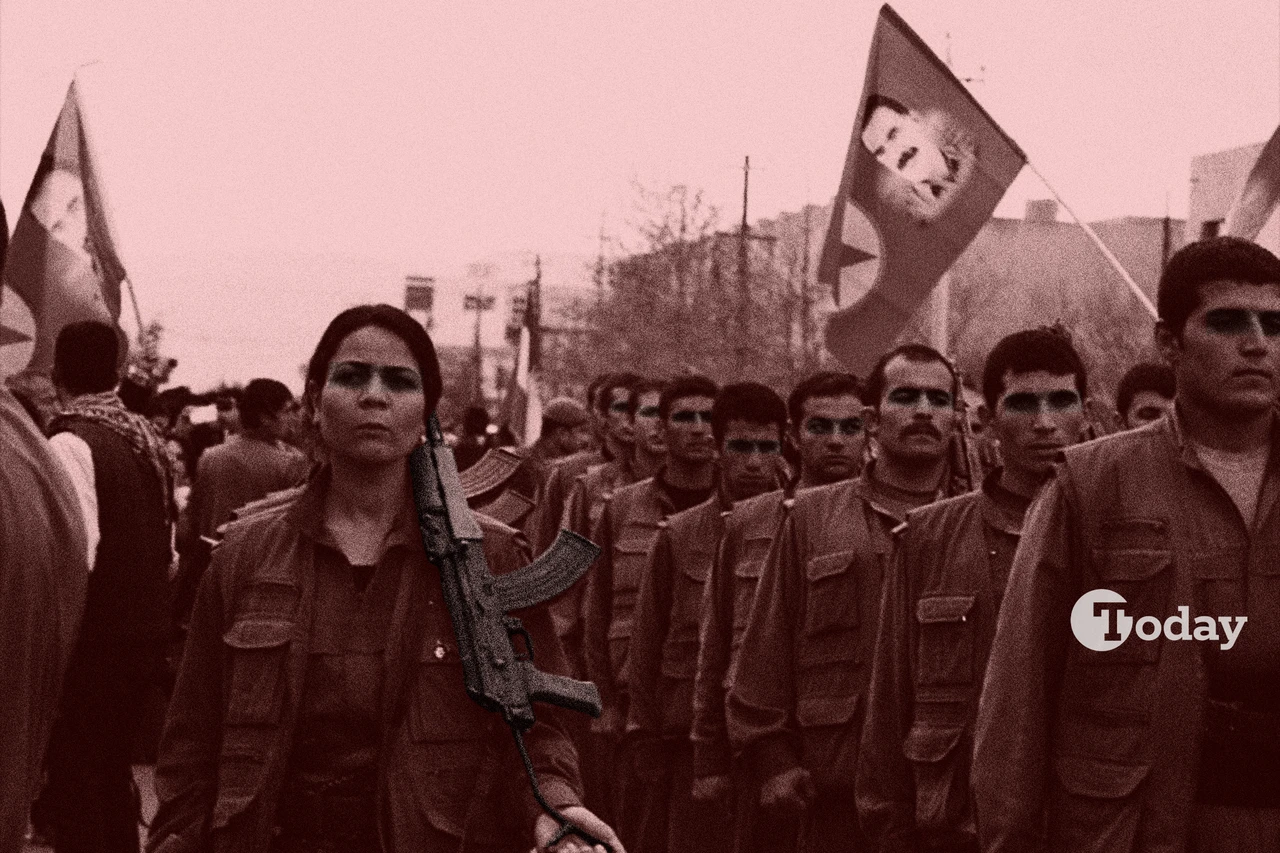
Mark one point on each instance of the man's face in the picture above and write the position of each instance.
(1228, 359)
(688, 430)
(903, 144)
(572, 439)
(831, 437)
(228, 416)
(648, 426)
(617, 417)
(749, 458)
(1145, 407)
(1037, 415)
(917, 415)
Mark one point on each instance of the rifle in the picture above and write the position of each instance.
(494, 675)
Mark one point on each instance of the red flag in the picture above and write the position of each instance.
(61, 266)
(925, 169)
(1260, 195)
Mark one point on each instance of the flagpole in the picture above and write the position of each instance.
(1097, 241)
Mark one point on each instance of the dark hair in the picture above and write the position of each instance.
(825, 383)
(1216, 259)
(1144, 376)
(1046, 348)
(262, 398)
(911, 352)
(876, 101)
(691, 385)
(593, 388)
(396, 322)
(84, 357)
(604, 394)
(645, 386)
(135, 394)
(750, 402)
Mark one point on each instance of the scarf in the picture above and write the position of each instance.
(107, 410)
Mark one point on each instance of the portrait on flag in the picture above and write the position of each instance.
(61, 265)
(925, 168)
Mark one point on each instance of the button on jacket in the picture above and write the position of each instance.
(446, 767)
(1102, 749)
(941, 600)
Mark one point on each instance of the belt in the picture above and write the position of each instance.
(1235, 724)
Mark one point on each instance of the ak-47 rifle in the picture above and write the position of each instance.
(494, 675)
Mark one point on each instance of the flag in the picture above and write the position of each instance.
(522, 404)
(1260, 195)
(925, 168)
(61, 266)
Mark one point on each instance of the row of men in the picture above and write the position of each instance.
(773, 650)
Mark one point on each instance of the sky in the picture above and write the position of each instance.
(270, 163)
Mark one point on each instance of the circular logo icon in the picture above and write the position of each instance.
(1099, 620)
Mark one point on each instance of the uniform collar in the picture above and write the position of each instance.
(1001, 509)
(1172, 427)
(306, 514)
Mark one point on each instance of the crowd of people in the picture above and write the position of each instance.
(843, 620)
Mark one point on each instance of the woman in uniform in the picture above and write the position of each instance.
(320, 702)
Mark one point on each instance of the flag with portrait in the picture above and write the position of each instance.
(925, 168)
(61, 265)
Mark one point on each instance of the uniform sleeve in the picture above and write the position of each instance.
(1011, 750)
(566, 609)
(711, 752)
(652, 622)
(760, 706)
(550, 749)
(186, 768)
(597, 612)
(885, 786)
(77, 460)
(545, 523)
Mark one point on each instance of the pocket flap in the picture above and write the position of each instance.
(825, 710)
(828, 564)
(929, 743)
(258, 633)
(944, 608)
(1218, 564)
(1092, 777)
(1130, 563)
(749, 568)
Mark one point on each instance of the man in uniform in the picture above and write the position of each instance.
(1094, 732)
(748, 421)
(942, 597)
(797, 687)
(825, 412)
(1145, 393)
(626, 532)
(613, 410)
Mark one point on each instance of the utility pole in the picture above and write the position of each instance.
(744, 273)
(806, 302)
(479, 303)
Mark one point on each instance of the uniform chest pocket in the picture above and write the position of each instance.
(1143, 577)
(1219, 578)
(831, 598)
(256, 649)
(690, 590)
(440, 711)
(746, 580)
(630, 555)
(946, 650)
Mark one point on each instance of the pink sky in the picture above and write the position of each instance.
(423, 136)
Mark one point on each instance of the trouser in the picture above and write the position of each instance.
(664, 814)
(598, 764)
(1232, 829)
(830, 824)
(92, 804)
(757, 830)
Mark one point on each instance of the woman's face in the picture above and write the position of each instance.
(370, 408)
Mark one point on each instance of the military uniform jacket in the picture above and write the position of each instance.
(664, 644)
(544, 522)
(445, 765)
(798, 683)
(1102, 748)
(941, 600)
(731, 587)
(627, 530)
